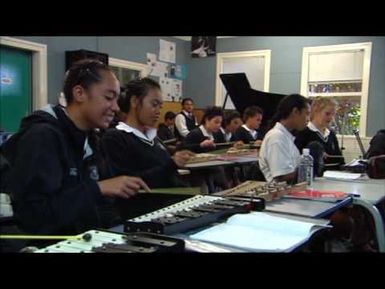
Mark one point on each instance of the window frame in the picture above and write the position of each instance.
(367, 49)
(121, 63)
(238, 54)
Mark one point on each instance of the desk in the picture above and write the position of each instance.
(371, 193)
(305, 208)
(234, 160)
(371, 190)
(201, 246)
(208, 164)
(203, 170)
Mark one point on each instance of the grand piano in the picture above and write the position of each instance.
(243, 96)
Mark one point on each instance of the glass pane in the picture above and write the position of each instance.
(128, 75)
(115, 70)
(125, 75)
(348, 115)
(331, 87)
(336, 65)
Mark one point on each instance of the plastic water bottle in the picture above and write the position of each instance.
(305, 168)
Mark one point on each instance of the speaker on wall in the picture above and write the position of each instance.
(76, 55)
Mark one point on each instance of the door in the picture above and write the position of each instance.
(255, 64)
(15, 87)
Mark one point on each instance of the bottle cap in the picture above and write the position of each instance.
(306, 152)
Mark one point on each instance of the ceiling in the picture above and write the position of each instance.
(188, 38)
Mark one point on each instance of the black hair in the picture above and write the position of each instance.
(138, 88)
(84, 73)
(286, 106)
(211, 112)
(229, 117)
(169, 115)
(251, 111)
(186, 99)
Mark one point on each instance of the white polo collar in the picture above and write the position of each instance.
(205, 132)
(312, 127)
(279, 126)
(227, 134)
(148, 137)
(253, 132)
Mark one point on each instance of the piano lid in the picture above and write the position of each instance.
(243, 96)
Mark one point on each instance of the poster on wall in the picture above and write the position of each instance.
(165, 84)
(156, 68)
(177, 71)
(203, 46)
(167, 51)
(176, 90)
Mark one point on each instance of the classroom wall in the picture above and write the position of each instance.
(123, 47)
(285, 73)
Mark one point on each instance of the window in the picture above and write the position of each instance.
(340, 72)
(255, 64)
(126, 71)
(125, 74)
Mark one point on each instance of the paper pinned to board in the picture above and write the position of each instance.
(167, 51)
(176, 90)
(166, 86)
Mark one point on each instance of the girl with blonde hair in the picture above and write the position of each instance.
(319, 134)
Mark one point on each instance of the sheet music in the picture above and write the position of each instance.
(258, 231)
(337, 175)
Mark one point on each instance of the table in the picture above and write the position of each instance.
(367, 193)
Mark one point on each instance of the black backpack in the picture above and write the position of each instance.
(377, 145)
(7, 153)
(5, 167)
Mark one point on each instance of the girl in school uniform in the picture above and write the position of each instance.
(132, 146)
(249, 132)
(318, 130)
(203, 138)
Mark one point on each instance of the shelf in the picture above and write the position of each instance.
(334, 94)
(335, 81)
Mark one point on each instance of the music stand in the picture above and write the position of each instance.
(360, 144)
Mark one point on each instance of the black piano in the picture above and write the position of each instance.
(242, 96)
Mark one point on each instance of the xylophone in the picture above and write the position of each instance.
(256, 189)
(97, 241)
(232, 152)
(192, 213)
(239, 152)
(203, 157)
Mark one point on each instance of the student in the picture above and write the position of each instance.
(278, 156)
(166, 130)
(185, 121)
(231, 122)
(203, 138)
(133, 148)
(248, 132)
(55, 182)
(318, 130)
